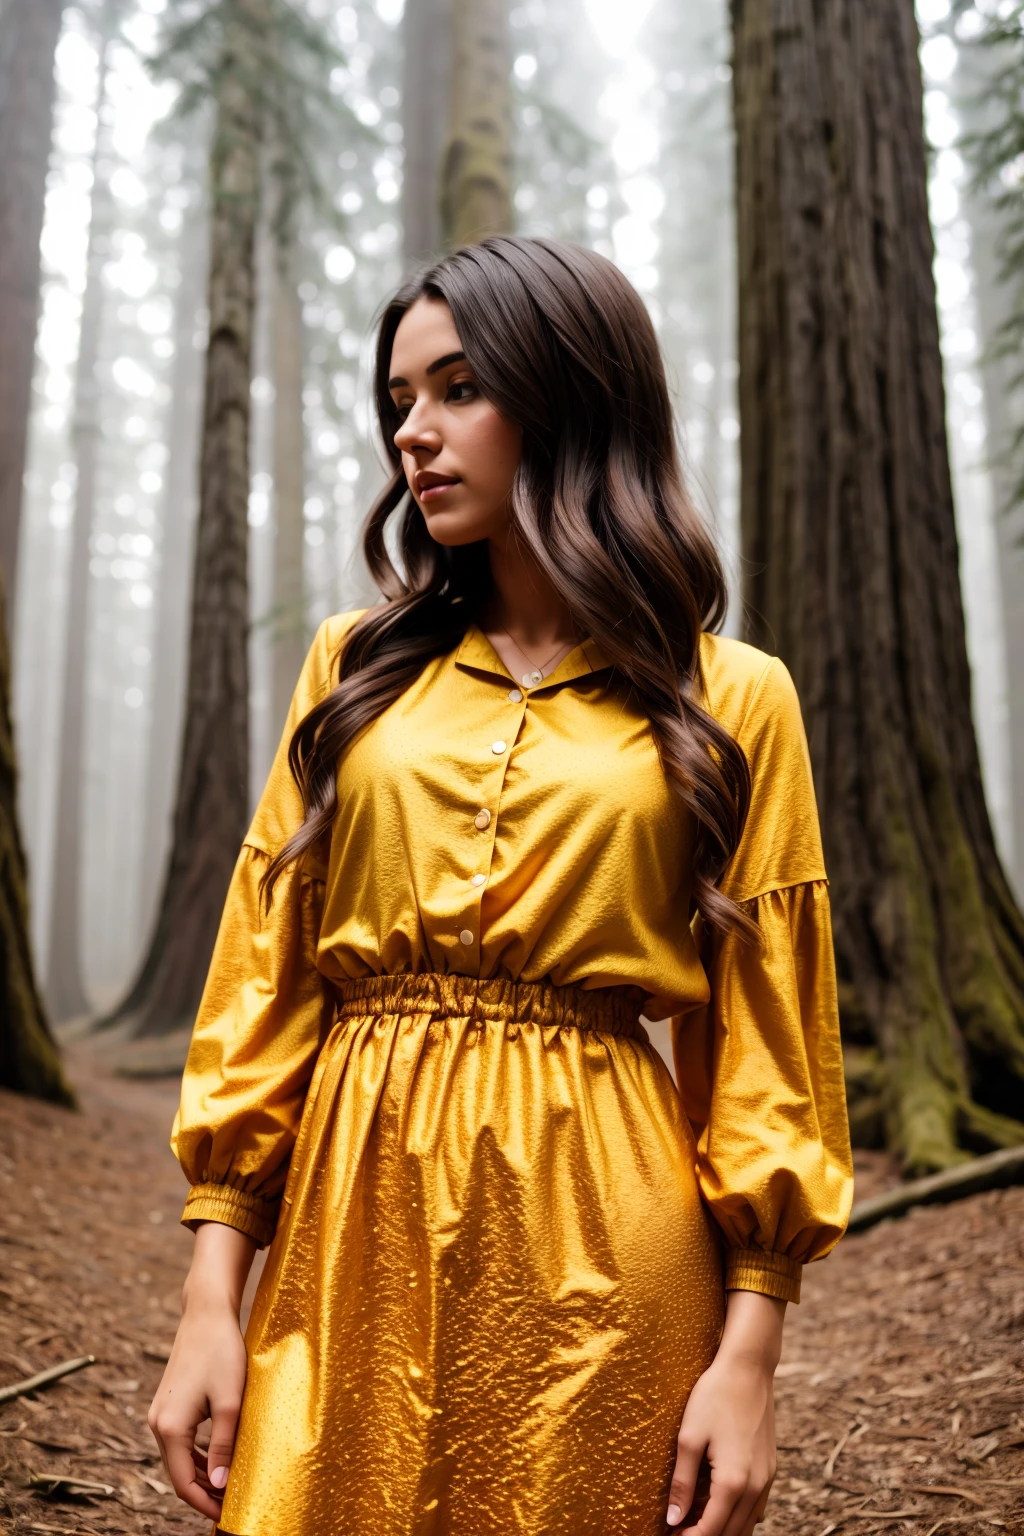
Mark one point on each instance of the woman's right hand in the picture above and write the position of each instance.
(205, 1374)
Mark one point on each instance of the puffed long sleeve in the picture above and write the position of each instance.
(265, 1009)
(760, 1066)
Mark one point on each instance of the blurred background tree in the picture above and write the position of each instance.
(65, 992)
(476, 174)
(288, 366)
(28, 40)
(426, 94)
(29, 1062)
(225, 52)
(29, 30)
(266, 67)
(987, 80)
(181, 322)
(694, 191)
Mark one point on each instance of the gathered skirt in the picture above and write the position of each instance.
(493, 1283)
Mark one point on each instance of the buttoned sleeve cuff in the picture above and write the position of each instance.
(250, 1214)
(771, 1274)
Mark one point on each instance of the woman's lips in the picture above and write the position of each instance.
(431, 490)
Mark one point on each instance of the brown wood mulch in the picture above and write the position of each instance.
(900, 1397)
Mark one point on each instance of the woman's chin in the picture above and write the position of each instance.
(456, 528)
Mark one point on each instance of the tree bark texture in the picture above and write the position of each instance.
(65, 992)
(289, 605)
(426, 92)
(29, 1062)
(177, 539)
(852, 563)
(476, 186)
(29, 30)
(211, 809)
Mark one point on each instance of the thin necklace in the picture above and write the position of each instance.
(565, 646)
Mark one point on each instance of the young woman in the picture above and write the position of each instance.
(516, 1282)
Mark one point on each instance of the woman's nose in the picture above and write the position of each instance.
(416, 431)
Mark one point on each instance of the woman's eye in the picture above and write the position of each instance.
(463, 390)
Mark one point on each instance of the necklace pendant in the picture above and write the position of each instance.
(531, 679)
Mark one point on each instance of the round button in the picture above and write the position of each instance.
(497, 747)
(478, 879)
(515, 696)
(465, 937)
(534, 677)
(527, 679)
(482, 819)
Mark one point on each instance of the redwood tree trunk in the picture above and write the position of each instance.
(852, 561)
(65, 992)
(476, 196)
(211, 809)
(28, 37)
(29, 1062)
(289, 482)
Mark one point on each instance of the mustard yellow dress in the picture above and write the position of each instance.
(499, 1235)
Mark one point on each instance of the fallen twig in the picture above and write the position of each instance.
(945, 1490)
(53, 1482)
(49, 1443)
(994, 1171)
(837, 1450)
(881, 1514)
(43, 1336)
(60, 1530)
(44, 1378)
(988, 1515)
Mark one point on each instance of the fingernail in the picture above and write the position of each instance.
(219, 1476)
(674, 1514)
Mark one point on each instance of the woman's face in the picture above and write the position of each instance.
(459, 453)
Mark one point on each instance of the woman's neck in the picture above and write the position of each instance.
(524, 603)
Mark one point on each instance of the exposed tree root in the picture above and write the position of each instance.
(995, 1171)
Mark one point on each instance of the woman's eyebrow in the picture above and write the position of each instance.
(442, 362)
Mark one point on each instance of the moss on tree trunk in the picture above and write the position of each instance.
(852, 561)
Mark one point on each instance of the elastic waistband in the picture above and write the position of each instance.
(612, 1010)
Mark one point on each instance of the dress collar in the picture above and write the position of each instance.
(477, 654)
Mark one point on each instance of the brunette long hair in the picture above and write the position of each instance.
(560, 343)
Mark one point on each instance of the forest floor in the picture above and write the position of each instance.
(900, 1396)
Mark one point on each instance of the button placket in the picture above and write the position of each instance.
(485, 820)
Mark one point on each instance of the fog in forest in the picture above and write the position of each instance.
(623, 141)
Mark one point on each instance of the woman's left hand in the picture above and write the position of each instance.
(730, 1419)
